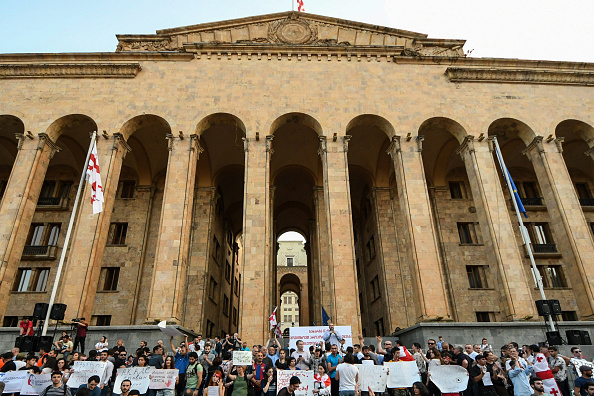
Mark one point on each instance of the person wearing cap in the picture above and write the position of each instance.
(579, 383)
(294, 383)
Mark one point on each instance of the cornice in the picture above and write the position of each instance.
(458, 74)
(70, 70)
(97, 57)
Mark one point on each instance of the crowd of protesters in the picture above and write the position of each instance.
(205, 363)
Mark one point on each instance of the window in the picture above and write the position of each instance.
(36, 235)
(226, 305)
(110, 277)
(101, 320)
(483, 316)
(583, 191)
(290, 261)
(127, 189)
(375, 289)
(52, 193)
(234, 316)
(476, 276)
(236, 287)
(568, 316)
(209, 328)
(552, 276)
(117, 233)
(31, 280)
(213, 288)
(47, 189)
(530, 190)
(456, 190)
(43, 234)
(286, 318)
(216, 248)
(371, 248)
(54, 233)
(379, 326)
(296, 320)
(467, 234)
(10, 321)
(239, 285)
(228, 271)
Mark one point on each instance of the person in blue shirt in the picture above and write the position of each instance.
(91, 385)
(332, 361)
(182, 360)
(273, 349)
(519, 377)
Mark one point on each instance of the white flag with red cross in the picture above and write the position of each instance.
(278, 331)
(94, 178)
(272, 319)
(542, 371)
(300, 6)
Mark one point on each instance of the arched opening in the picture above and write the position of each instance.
(9, 127)
(293, 284)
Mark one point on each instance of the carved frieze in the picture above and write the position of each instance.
(144, 45)
(459, 74)
(70, 70)
(292, 31)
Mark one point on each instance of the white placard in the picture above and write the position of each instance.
(163, 379)
(283, 377)
(83, 370)
(313, 335)
(34, 384)
(579, 363)
(242, 358)
(139, 376)
(402, 374)
(213, 391)
(449, 379)
(170, 331)
(375, 377)
(13, 381)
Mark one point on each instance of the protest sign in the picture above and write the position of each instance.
(83, 370)
(307, 381)
(139, 376)
(313, 335)
(170, 331)
(402, 374)
(242, 358)
(13, 381)
(34, 384)
(577, 363)
(163, 379)
(213, 391)
(375, 377)
(449, 379)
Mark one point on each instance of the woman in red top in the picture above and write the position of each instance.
(26, 327)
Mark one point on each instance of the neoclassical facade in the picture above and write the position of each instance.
(374, 143)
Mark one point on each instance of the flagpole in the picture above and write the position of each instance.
(67, 239)
(525, 238)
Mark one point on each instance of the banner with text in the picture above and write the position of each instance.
(449, 379)
(34, 384)
(402, 374)
(307, 381)
(163, 379)
(13, 381)
(312, 335)
(242, 358)
(375, 377)
(139, 376)
(83, 370)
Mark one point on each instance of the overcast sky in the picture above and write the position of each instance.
(528, 29)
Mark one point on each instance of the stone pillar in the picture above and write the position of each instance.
(313, 269)
(273, 247)
(18, 206)
(343, 275)
(323, 268)
(170, 270)
(572, 234)
(255, 290)
(497, 228)
(430, 296)
(83, 267)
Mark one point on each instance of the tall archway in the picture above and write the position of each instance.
(292, 272)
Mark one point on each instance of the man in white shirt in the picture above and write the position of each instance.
(347, 375)
(302, 357)
(513, 353)
(332, 336)
(104, 384)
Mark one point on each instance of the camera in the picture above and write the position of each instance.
(76, 320)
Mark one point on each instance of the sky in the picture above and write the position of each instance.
(526, 29)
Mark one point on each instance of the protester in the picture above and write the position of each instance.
(332, 336)
(579, 383)
(347, 375)
(294, 383)
(91, 385)
(57, 388)
(81, 334)
(322, 381)
(239, 381)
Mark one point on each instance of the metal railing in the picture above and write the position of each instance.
(532, 201)
(544, 248)
(44, 252)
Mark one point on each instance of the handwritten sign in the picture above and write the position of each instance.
(312, 335)
(283, 377)
(449, 379)
(139, 376)
(402, 374)
(242, 358)
(170, 331)
(163, 379)
(13, 381)
(577, 363)
(34, 384)
(83, 370)
(375, 377)
(213, 391)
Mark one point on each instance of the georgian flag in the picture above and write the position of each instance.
(94, 178)
(405, 355)
(542, 371)
(300, 6)
(278, 331)
(272, 319)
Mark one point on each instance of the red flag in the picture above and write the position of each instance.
(300, 6)
(94, 178)
(542, 371)
(272, 319)
(405, 355)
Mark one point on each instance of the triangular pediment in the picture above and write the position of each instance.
(290, 29)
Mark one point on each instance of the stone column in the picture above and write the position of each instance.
(83, 267)
(346, 310)
(171, 258)
(255, 290)
(323, 268)
(497, 228)
(274, 299)
(314, 263)
(572, 234)
(431, 301)
(18, 205)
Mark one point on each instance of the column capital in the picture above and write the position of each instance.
(269, 148)
(535, 146)
(323, 149)
(45, 139)
(466, 146)
(589, 152)
(396, 143)
(120, 141)
(20, 137)
(345, 142)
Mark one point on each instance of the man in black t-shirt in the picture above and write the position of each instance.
(294, 383)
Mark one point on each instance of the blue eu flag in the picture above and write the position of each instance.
(514, 189)
(325, 317)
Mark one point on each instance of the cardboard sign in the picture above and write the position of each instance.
(213, 391)
(34, 384)
(163, 379)
(83, 371)
(577, 363)
(242, 358)
(13, 381)
(449, 379)
(139, 376)
(283, 377)
(170, 331)
(375, 377)
(312, 335)
(402, 374)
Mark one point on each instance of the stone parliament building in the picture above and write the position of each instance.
(373, 143)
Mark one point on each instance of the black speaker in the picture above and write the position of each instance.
(45, 342)
(585, 337)
(555, 307)
(542, 306)
(58, 311)
(573, 337)
(554, 338)
(18, 343)
(29, 344)
(40, 311)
